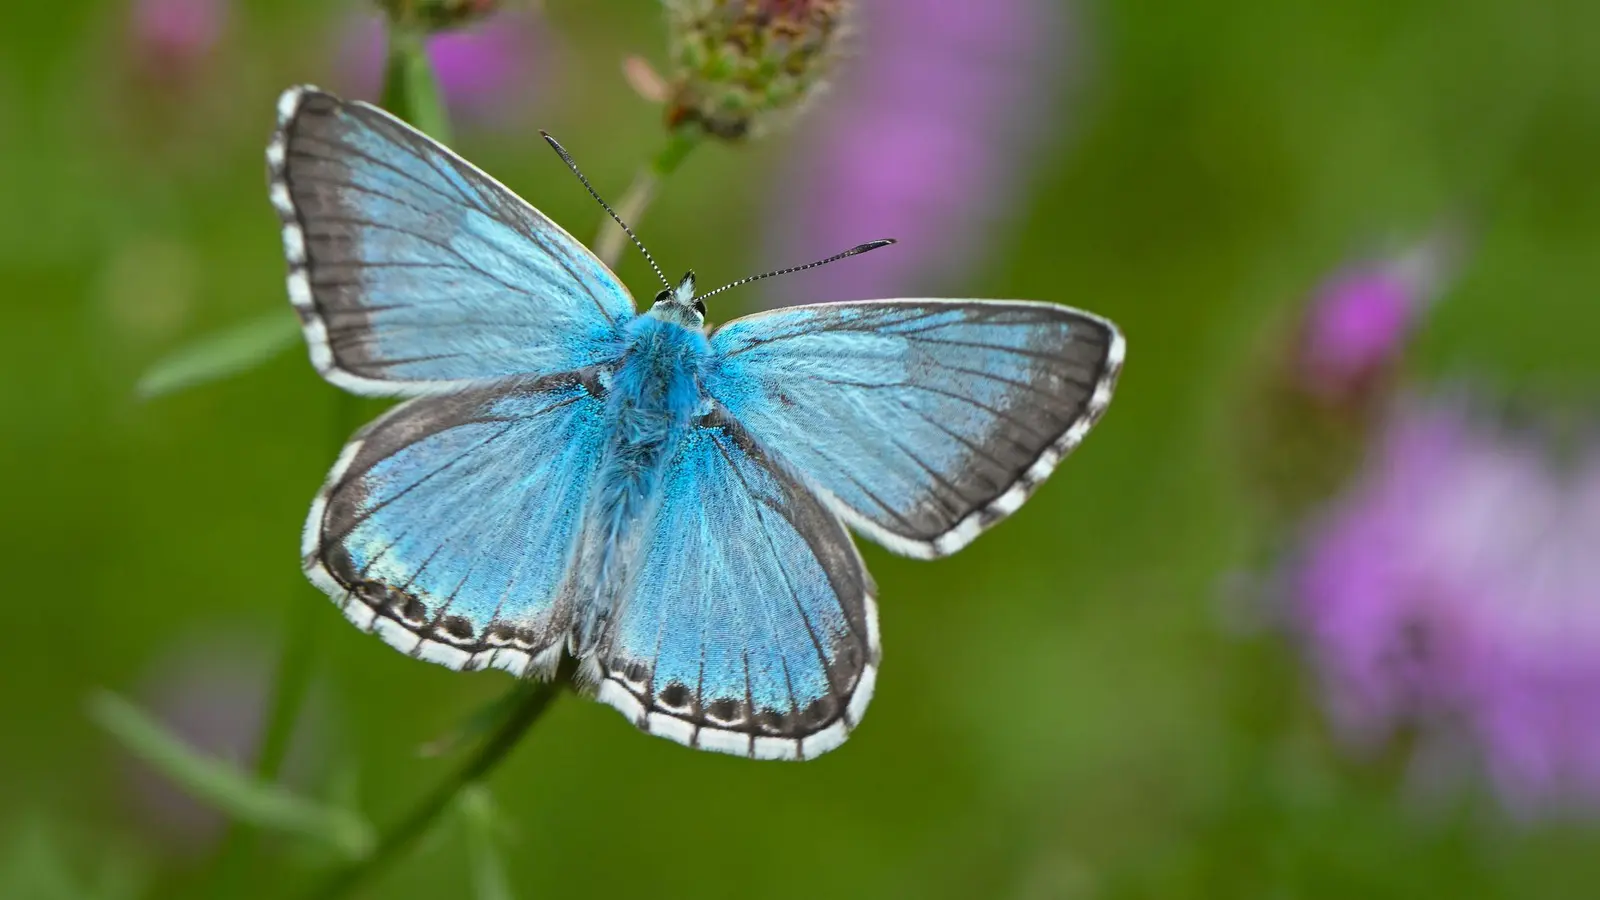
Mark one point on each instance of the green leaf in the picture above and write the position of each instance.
(410, 89)
(241, 796)
(220, 355)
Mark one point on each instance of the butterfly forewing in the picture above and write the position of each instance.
(413, 271)
(924, 421)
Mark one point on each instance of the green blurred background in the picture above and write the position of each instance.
(1063, 709)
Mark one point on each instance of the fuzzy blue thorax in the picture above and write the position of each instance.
(652, 401)
(655, 390)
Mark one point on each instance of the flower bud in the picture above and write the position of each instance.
(1321, 385)
(739, 61)
(1359, 321)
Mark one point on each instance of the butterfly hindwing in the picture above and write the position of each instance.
(412, 271)
(448, 525)
(924, 421)
(748, 624)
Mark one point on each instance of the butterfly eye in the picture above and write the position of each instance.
(700, 307)
(662, 297)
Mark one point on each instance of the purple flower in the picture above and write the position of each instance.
(1359, 321)
(173, 38)
(213, 693)
(1455, 592)
(925, 140)
(490, 72)
(1320, 384)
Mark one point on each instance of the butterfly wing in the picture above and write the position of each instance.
(923, 421)
(447, 525)
(748, 624)
(412, 271)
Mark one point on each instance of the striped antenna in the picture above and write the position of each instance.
(567, 158)
(853, 251)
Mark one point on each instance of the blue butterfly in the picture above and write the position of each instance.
(664, 504)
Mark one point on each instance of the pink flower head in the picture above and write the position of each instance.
(1456, 591)
(1360, 320)
(172, 38)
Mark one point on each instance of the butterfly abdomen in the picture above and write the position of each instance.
(653, 399)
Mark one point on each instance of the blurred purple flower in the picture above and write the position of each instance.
(212, 693)
(1324, 380)
(925, 140)
(1360, 320)
(1455, 592)
(490, 71)
(171, 39)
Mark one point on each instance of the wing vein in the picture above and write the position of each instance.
(816, 642)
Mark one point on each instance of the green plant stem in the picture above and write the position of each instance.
(483, 831)
(536, 698)
(410, 89)
(611, 240)
(289, 694)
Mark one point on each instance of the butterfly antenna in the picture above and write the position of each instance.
(853, 251)
(573, 165)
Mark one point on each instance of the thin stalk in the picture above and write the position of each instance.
(410, 89)
(608, 244)
(395, 840)
(293, 685)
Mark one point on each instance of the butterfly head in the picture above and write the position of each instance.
(680, 304)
